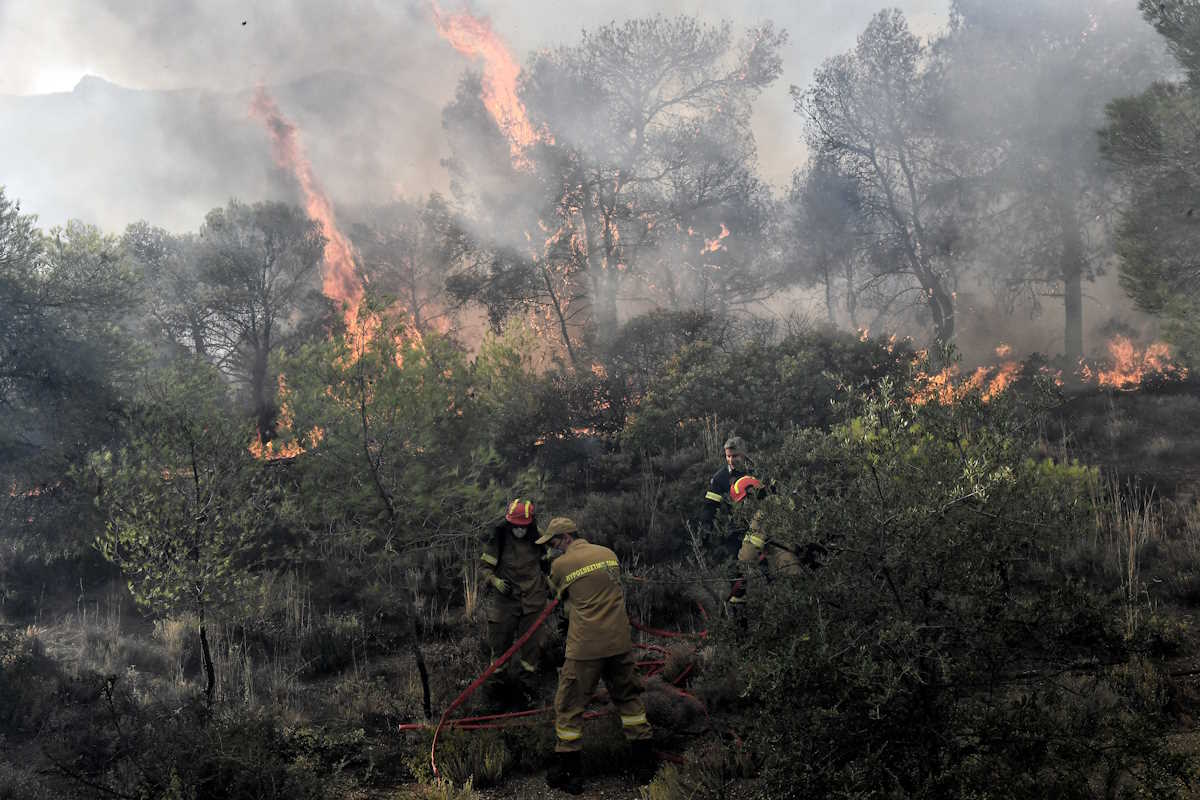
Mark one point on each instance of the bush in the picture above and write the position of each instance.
(29, 682)
(940, 651)
(759, 390)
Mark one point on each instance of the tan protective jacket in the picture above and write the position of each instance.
(588, 577)
(518, 561)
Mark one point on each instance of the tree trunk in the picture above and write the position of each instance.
(1072, 267)
(210, 674)
(264, 403)
(423, 672)
(941, 303)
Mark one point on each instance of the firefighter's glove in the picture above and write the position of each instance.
(502, 586)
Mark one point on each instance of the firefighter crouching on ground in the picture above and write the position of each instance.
(513, 566)
(721, 481)
(758, 553)
(587, 578)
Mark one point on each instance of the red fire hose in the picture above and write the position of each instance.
(487, 673)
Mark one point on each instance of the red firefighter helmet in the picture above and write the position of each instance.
(520, 512)
(742, 486)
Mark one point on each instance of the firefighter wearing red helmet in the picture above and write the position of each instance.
(514, 571)
(758, 552)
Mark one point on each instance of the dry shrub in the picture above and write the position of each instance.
(476, 758)
(668, 784)
(672, 710)
(335, 642)
(682, 664)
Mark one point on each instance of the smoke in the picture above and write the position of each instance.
(165, 136)
(373, 132)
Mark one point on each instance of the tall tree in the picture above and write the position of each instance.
(1150, 141)
(177, 304)
(822, 213)
(65, 363)
(645, 175)
(406, 250)
(1027, 83)
(258, 265)
(874, 114)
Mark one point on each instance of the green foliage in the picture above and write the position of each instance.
(151, 750)
(757, 389)
(939, 649)
(480, 758)
(186, 501)
(64, 361)
(1148, 141)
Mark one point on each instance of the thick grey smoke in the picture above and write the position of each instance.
(182, 143)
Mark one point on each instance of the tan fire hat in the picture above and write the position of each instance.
(557, 525)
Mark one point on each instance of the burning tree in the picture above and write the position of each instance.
(405, 250)
(871, 116)
(1030, 88)
(644, 180)
(259, 266)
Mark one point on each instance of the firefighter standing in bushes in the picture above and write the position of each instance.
(599, 645)
(721, 481)
(759, 554)
(513, 565)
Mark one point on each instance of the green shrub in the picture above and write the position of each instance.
(936, 650)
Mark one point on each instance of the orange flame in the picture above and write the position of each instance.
(474, 37)
(285, 449)
(1131, 366)
(713, 245)
(339, 282)
(944, 387)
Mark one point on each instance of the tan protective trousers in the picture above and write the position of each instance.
(576, 682)
(505, 628)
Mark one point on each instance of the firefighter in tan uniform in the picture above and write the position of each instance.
(586, 577)
(513, 566)
(758, 553)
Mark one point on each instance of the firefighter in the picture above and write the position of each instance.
(758, 552)
(514, 569)
(587, 578)
(721, 481)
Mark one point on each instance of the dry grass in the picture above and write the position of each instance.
(1128, 518)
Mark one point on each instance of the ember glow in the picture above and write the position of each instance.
(1131, 366)
(474, 37)
(947, 386)
(713, 245)
(340, 281)
(285, 447)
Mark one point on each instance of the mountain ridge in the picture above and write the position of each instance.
(110, 154)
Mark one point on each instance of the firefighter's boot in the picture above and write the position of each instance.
(564, 773)
(643, 761)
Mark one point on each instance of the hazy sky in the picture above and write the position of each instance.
(47, 45)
